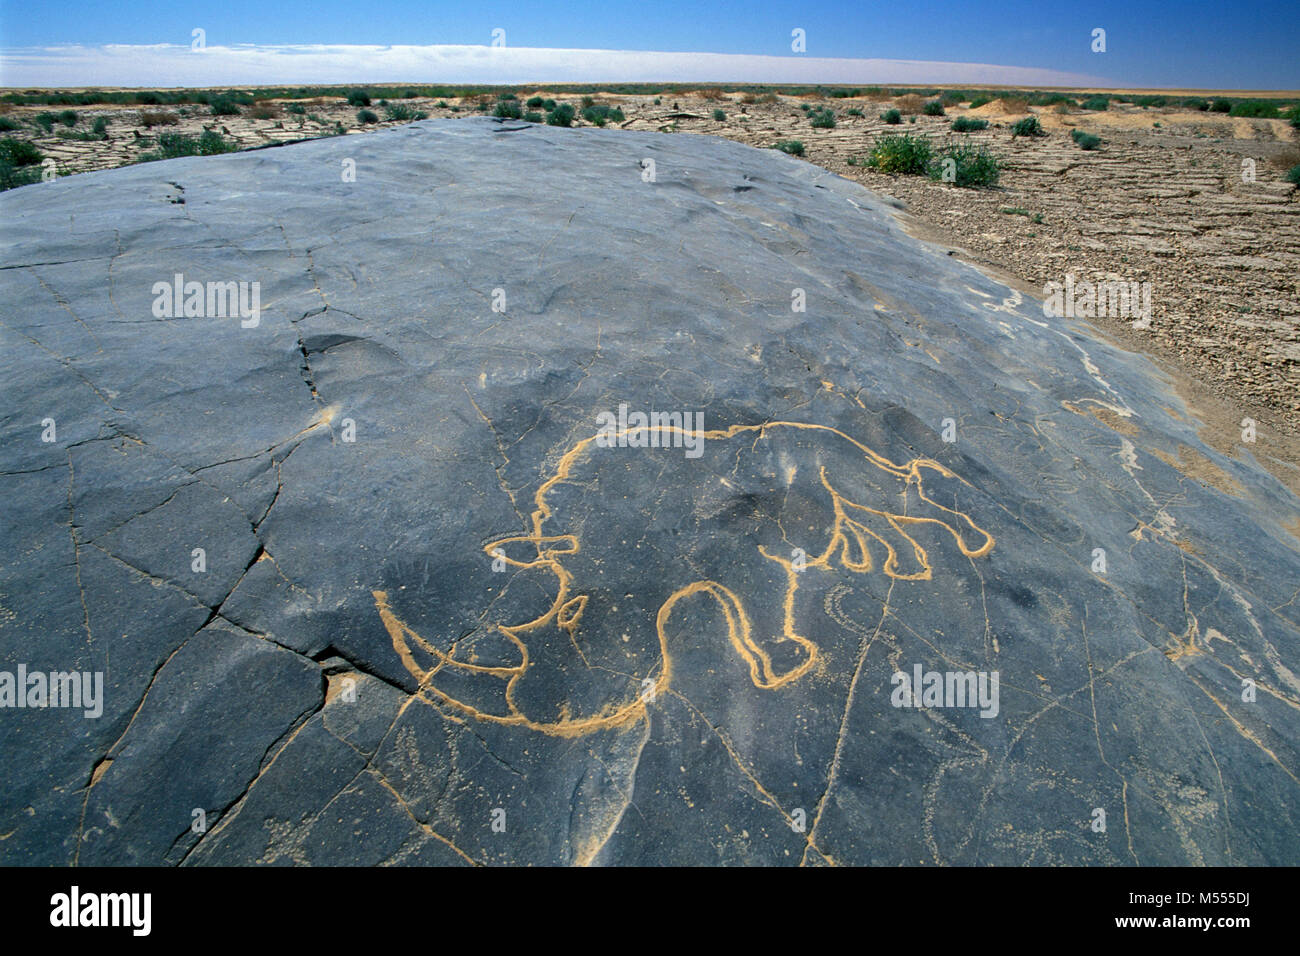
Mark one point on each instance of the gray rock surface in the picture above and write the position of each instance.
(437, 622)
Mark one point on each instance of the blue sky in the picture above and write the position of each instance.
(1254, 44)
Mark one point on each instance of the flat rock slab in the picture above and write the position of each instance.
(392, 569)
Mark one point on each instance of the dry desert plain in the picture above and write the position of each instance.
(1168, 198)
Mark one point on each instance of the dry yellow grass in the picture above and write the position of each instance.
(909, 104)
(151, 118)
(1286, 160)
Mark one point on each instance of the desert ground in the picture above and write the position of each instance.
(1195, 202)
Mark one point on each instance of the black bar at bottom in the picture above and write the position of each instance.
(331, 906)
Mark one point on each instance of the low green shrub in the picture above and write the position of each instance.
(19, 152)
(792, 146)
(1255, 108)
(11, 177)
(822, 119)
(173, 145)
(401, 113)
(1035, 217)
(562, 115)
(900, 153)
(602, 114)
(965, 124)
(1085, 140)
(892, 117)
(1029, 126)
(81, 135)
(969, 165)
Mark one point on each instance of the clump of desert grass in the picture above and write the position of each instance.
(1029, 126)
(1085, 140)
(600, 114)
(822, 118)
(967, 165)
(173, 145)
(900, 154)
(20, 163)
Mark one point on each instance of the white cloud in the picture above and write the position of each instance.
(171, 65)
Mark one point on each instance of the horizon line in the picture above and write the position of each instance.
(176, 66)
